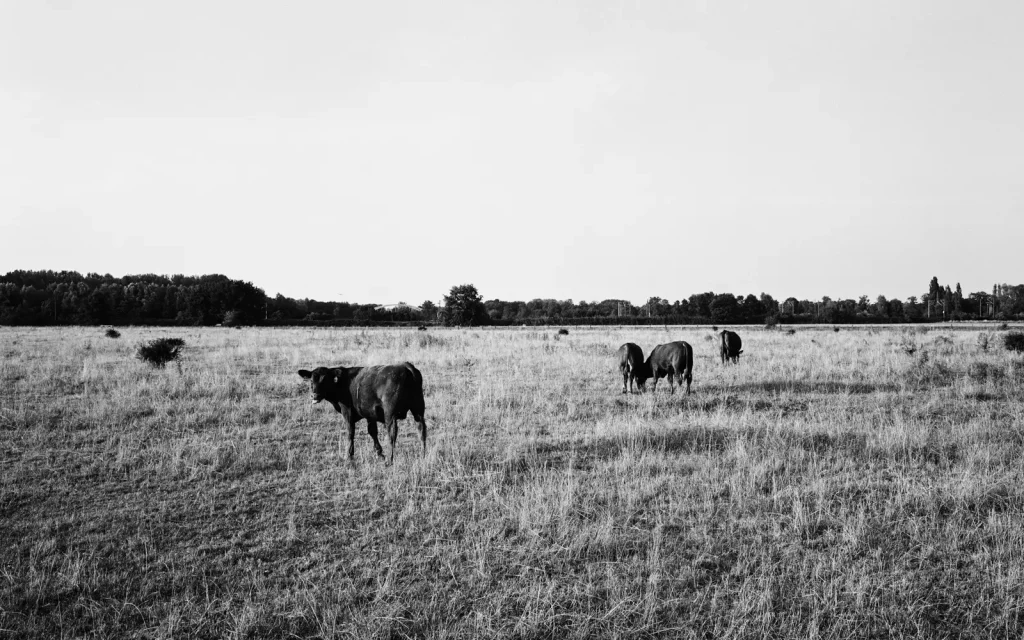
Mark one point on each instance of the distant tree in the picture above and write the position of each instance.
(700, 305)
(881, 308)
(912, 310)
(752, 311)
(463, 306)
(655, 306)
(725, 309)
(429, 310)
(896, 310)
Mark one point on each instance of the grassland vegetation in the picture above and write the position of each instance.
(160, 351)
(865, 483)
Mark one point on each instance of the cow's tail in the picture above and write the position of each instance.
(689, 365)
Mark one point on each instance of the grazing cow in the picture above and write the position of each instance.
(631, 361)
(674, 360)
(732, 346)
(379, 394)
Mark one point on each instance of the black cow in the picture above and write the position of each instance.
(732, 346)
(631, 360)
(674, 360)
(379, 394)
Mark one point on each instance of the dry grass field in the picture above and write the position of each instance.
(860, 483)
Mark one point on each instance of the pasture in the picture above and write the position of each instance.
(860, 483)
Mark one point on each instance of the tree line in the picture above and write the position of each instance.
(68, 297)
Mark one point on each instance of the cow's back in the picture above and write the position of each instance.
(630, 357)
(675, 356)
(391, 388)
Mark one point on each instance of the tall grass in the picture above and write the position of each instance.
(863, 483)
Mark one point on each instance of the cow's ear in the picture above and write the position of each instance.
(305, 374)
(337, 379)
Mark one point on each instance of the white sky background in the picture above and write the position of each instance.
(386, 151)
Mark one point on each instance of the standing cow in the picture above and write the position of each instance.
(732, 346)
(385, 393)
(631, 362)
(674, 360)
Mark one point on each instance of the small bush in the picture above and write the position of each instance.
(983, 341)
(113, 333)
(790, 332)
(771, 322)
(908, 344)
(714, 328)
(563, 332)
(161, 351)
(1014, 341)
(422, 328)
(836, 329)
(1004, 327)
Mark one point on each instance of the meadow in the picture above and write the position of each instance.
(859, 483)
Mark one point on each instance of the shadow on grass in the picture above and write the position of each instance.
(691, 441)
(803, 386)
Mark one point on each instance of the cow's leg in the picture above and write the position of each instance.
(625, 376)
(371, 428)
(392, 426)
(351, 439)
(672, 381)
(418, 417)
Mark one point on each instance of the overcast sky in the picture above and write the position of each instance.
(386, 151)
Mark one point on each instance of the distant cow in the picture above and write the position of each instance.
(674, 360)
(631, 361)
(379, 394)
(732, 346)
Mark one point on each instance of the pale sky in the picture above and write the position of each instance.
(385, 151)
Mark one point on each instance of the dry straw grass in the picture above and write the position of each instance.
(865, 483)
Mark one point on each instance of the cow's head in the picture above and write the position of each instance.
(323, 383)
(641, 374)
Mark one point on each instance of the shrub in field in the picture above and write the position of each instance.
(771, 322)
(1014, 341)
(790, 332)
(1004, 327)
(563, 332)
(983, 341)
(160, 351)
(908, 344)
(113, 333)
(714, 328)
(836, 329)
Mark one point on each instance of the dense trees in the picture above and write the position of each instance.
(67, 297)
